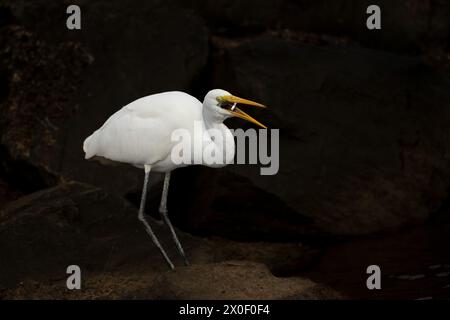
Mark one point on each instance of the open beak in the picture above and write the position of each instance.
(241, 114)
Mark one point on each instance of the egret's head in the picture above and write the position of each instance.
(223, 104)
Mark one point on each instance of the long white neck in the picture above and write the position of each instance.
(220, 136)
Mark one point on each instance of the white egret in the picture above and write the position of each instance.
(140, 134)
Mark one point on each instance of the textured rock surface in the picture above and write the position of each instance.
(363, 117)
(231, 206)
(226, 280)
(234, 280)
(57, 111)
(41, 234)
(360, 145)
(407, 26)
(83, 225)
(40, 80)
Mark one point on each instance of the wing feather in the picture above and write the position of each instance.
(140, 132)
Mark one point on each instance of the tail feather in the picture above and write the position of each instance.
(88, 147)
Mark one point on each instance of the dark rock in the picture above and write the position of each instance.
(282, 259)
(218, 202)
(407, 26)
(122, 52)
(363, 133)
(45, 232)
(7, 193)
(410, 261)
(40, 81)
(238, 17)
(6, 16)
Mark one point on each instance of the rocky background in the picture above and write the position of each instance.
(364, 119)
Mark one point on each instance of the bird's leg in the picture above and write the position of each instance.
(142, 218)
(165, 216)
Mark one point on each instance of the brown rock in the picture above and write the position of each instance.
(233, 280)
(282, 259)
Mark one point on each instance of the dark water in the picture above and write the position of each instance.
(415, 264)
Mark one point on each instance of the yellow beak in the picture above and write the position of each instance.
(241, 114)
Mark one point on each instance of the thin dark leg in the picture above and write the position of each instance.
(147, 226)
(165, 216)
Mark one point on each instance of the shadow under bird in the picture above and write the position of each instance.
(140, 134)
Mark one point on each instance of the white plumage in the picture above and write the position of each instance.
(140, 134)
